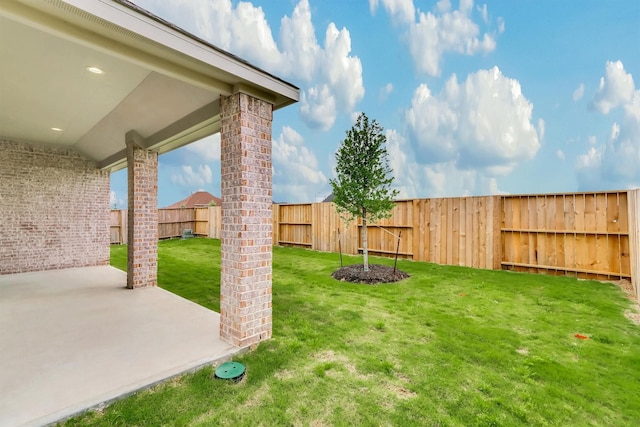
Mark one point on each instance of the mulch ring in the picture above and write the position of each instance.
(377, 274)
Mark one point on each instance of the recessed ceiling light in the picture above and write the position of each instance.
(56, 129)
(95, 70)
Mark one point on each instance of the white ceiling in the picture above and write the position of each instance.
(167, 95)
(44, 84)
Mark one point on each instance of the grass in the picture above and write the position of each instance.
(449, 346)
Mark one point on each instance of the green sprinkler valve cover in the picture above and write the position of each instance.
(233, 371)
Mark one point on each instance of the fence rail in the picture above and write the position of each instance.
(586, 235)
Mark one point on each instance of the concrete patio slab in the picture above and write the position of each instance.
(73, 339)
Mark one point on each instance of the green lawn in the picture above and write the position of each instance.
(449, 346)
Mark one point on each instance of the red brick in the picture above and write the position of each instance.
(142, 267)
(54, 209)
(245, 309)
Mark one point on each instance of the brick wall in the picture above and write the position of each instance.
(142, 233)
(54, 209)
(245, 286)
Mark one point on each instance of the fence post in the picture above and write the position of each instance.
(275, 212)
(633, 197)
(210, 222)
(315, 218)
(214, 221)
(497, 216)
(124, 226)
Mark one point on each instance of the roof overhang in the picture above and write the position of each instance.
(159, 84)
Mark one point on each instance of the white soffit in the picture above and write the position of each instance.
(154, 104)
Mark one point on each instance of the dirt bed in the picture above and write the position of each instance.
(377, 274)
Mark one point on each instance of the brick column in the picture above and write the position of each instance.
(142, 172)
(245, 285)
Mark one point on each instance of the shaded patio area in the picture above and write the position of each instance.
(75, 338)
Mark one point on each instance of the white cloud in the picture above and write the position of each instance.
(296, 172)
(115, 202)
(385, 91)
(632, 109)
(615, 132)
(430, 35)
(588, 169)
(329, 73)
(614, 165)
(616, 88)
(560, 154)
(443, 6)
(484, 12)
(242, 30)
(482, 123)
(343, 72)
(318, 107)
(445, 179)
(301, 50)
(291, 137)
(207, 149)
(466, 6)
(333, 75)
(621, 155)
(373, 6)
(591, 159)
(189, 176)
(541, 129)
(401, 11)
(578, 93)
(354, 117)
(592, 140)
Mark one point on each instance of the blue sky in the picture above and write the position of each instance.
(476, 98)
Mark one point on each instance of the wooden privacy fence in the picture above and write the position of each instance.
(587, 235)
(118, 226)
(204, 221)
(459, 231)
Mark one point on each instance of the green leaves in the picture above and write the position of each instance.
(363, 182)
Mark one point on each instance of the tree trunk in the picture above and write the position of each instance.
(365, 242)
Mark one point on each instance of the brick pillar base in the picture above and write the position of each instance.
(245, 285)
(142, 171)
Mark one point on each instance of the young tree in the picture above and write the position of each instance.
(362, 187)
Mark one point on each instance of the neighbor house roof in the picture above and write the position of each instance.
(329, 198)
(197, 199)
(84, 74)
